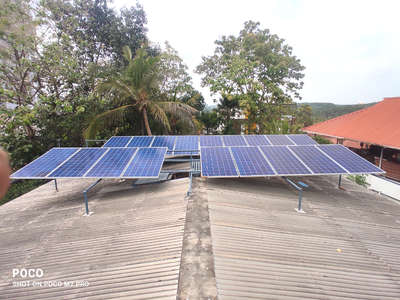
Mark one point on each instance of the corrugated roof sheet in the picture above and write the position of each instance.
(378, 124)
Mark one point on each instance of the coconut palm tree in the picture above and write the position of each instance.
(134, 90)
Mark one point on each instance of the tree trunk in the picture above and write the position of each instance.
(146, 121)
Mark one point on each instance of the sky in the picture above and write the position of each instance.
(351, 49)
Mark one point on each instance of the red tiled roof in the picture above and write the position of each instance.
(378, 124)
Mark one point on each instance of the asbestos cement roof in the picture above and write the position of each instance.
(232, 239)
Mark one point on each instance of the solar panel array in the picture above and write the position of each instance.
(221, 156)
(95, 163)
(289, 160)
(178, 144)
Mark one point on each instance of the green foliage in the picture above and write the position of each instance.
(303, 115)
(321, 140)
(359, 179)
(227, 109)
(258, 68)
(136, 88)
(19, 188)
(209, 120)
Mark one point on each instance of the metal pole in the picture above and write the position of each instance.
(86, 143)
(86, 203)
(340, 181)
(300, 198)
(380, 158)
(86, 198)
(189, 192)
(55, 184)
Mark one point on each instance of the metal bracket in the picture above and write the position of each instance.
(86, 198)
(55, 184)
(300, 189)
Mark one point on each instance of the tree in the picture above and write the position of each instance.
(304, 115)
(258, 68)
(133, 90)
(227, 109)
(210, 120)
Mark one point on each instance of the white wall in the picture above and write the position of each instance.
(385, 186)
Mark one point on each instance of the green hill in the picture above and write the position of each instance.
(323, 111)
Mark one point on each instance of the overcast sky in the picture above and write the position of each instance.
(351, 49)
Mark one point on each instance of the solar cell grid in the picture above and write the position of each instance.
(283, 161)
(117, 141)
(318, 162)
(189, 142)
(112, 164)
(234, 140)
(279, 140)
(217, 162)
(79, 163)
(302, 139)
(210, 140)
(349, 160)
(164, 141)
(251, 162)
(140, 141)
(256, 140)
(46, 163)
(146, 163)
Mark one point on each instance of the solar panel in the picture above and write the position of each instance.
(283, 161)
(256, 140)
(318, 162)
(79, 163)
(302, 139)
(210, 140)
(117, 141)
(146, 163)
(140, 141)
(279, 139)
(234, 140)
(164, 141)
(349, 160)
(189, 142)
(217, 162)
(112, 164)
(251, 162)
(46, 163)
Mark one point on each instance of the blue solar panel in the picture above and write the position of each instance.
(217, 162)
(283, 161)
(189, 142)
(256, 140)
(349, 160)
(117, 141)
(140, 141)
(302, 139)
(234, 140)
(318, 162)
(279, 139)
(78, 164)
(251, 162)
(146, 163)
(46, 163)
(112, 164)
(164, 141)
(210, 140)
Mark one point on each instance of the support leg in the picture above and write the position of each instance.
(55, 184)
(189, 192)
(299, 209)
(340, 181)
(86, 197)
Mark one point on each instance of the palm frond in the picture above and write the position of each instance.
(107, 119)
(127, 53)
(158, 114)
(179, 110)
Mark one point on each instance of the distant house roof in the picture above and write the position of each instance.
(378, 124)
